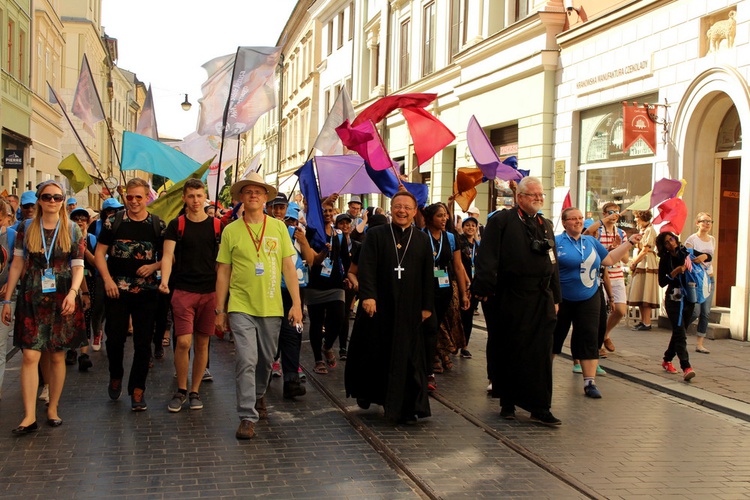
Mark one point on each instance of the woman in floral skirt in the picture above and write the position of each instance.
(48, 259)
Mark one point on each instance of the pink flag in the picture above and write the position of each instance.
(86, 103)
(674, 213)
(664, 189)
(485, 155)
(328, 142)
(250, 75)
(365, 140)
(147, 121)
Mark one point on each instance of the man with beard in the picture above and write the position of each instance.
(386, 353)
(517, 274)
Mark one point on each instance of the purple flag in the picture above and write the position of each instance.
(485, 155)
(664, 189)
(335, 171)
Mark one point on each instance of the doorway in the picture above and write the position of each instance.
(726, 244)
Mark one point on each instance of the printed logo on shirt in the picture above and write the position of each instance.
(589, 273)
(271, 245)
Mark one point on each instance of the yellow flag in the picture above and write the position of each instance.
(167, 207)
(71, 168)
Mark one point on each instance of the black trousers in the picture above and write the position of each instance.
(142, 307)
(290, 341)
(678, 343)
(584, 316)
(467, 319)
(330, 314)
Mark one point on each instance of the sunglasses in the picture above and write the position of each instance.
(80, 218)
(610, 212)
(131, 197)
(57, 198)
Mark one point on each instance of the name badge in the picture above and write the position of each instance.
(259, 269)
(442, 277)
(48, 281)
(552, 257)
(327, 268)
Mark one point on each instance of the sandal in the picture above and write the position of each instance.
(437, 367)
(330, 358)
(320, 368)
(165, 342)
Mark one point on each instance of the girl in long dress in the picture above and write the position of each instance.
(644, 288)
(48, 259)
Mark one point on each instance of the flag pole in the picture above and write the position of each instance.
(224, 124)
(78, 137)
(352, 177)
(237, 161)
(108, 121)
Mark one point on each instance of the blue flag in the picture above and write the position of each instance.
(143, 153)
(386, 181)
(314, 215)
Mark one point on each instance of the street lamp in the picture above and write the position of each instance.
(186, 104)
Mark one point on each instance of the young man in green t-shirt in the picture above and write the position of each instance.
(255, 252)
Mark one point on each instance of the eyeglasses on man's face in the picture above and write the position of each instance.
(535, 196)
(131, 197)
(706, 221)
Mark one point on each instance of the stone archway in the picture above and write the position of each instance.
(692, 156)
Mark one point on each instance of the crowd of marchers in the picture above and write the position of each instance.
(411, 278)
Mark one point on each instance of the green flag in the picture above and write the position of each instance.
(168, 206)
(71, 168)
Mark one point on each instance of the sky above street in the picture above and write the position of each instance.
(165, 43)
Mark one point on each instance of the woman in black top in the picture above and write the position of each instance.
(672, 266)
(469, 252)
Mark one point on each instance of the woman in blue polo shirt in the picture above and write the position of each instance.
(579, 259)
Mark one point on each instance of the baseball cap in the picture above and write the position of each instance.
(341, 217)
(72, 201)
(28, 197)
(280, 199)
(111, 203)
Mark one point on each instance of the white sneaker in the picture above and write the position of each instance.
(44, 395)
(96, 345)
(207, 377)
(489, 387)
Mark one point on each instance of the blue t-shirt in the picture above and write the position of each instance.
(579, 262)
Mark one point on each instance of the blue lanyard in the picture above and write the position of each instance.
(436, 256)
(48, 254)
(580, 250)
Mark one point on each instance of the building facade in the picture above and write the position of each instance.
(688, 58)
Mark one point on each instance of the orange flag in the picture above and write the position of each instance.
(464, 187)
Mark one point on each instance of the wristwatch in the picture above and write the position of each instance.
(219, 311)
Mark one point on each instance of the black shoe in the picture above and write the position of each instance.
(642, 328)
(84, 363)
(508, 413)
(115, 388)
(54, 422)
(465, 354)
(293, 388)
(342, 354)
(545, 418)
(159, 352)
(363, 403)
(70, 357)
(22, 430)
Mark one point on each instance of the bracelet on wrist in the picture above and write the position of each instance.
(6, 302)
(75, 291)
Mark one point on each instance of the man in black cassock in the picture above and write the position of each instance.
(386, 354)
(517, 275)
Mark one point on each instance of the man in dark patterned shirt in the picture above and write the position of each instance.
(127, 257)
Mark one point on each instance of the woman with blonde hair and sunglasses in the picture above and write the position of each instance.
(705, 243)
(48, 259)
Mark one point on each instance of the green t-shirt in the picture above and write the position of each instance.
(249, 292)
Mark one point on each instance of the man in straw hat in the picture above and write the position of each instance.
(255, 252)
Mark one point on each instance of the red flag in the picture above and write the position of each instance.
(428, 134)
(566, 202)
(86, 103)
(637, 124)
(464, 187)
(674, 213)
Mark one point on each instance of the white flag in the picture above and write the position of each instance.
(86, 103)
(328, 141)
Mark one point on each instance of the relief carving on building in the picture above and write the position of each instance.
(721, 30)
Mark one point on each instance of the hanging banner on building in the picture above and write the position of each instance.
(637, 125)
(11, 159)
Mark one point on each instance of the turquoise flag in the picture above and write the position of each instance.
(168, 206)
(143, 153)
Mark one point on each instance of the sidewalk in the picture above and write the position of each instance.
(722, 379)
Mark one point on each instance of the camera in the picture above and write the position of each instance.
(542, 246)
(676, 294)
